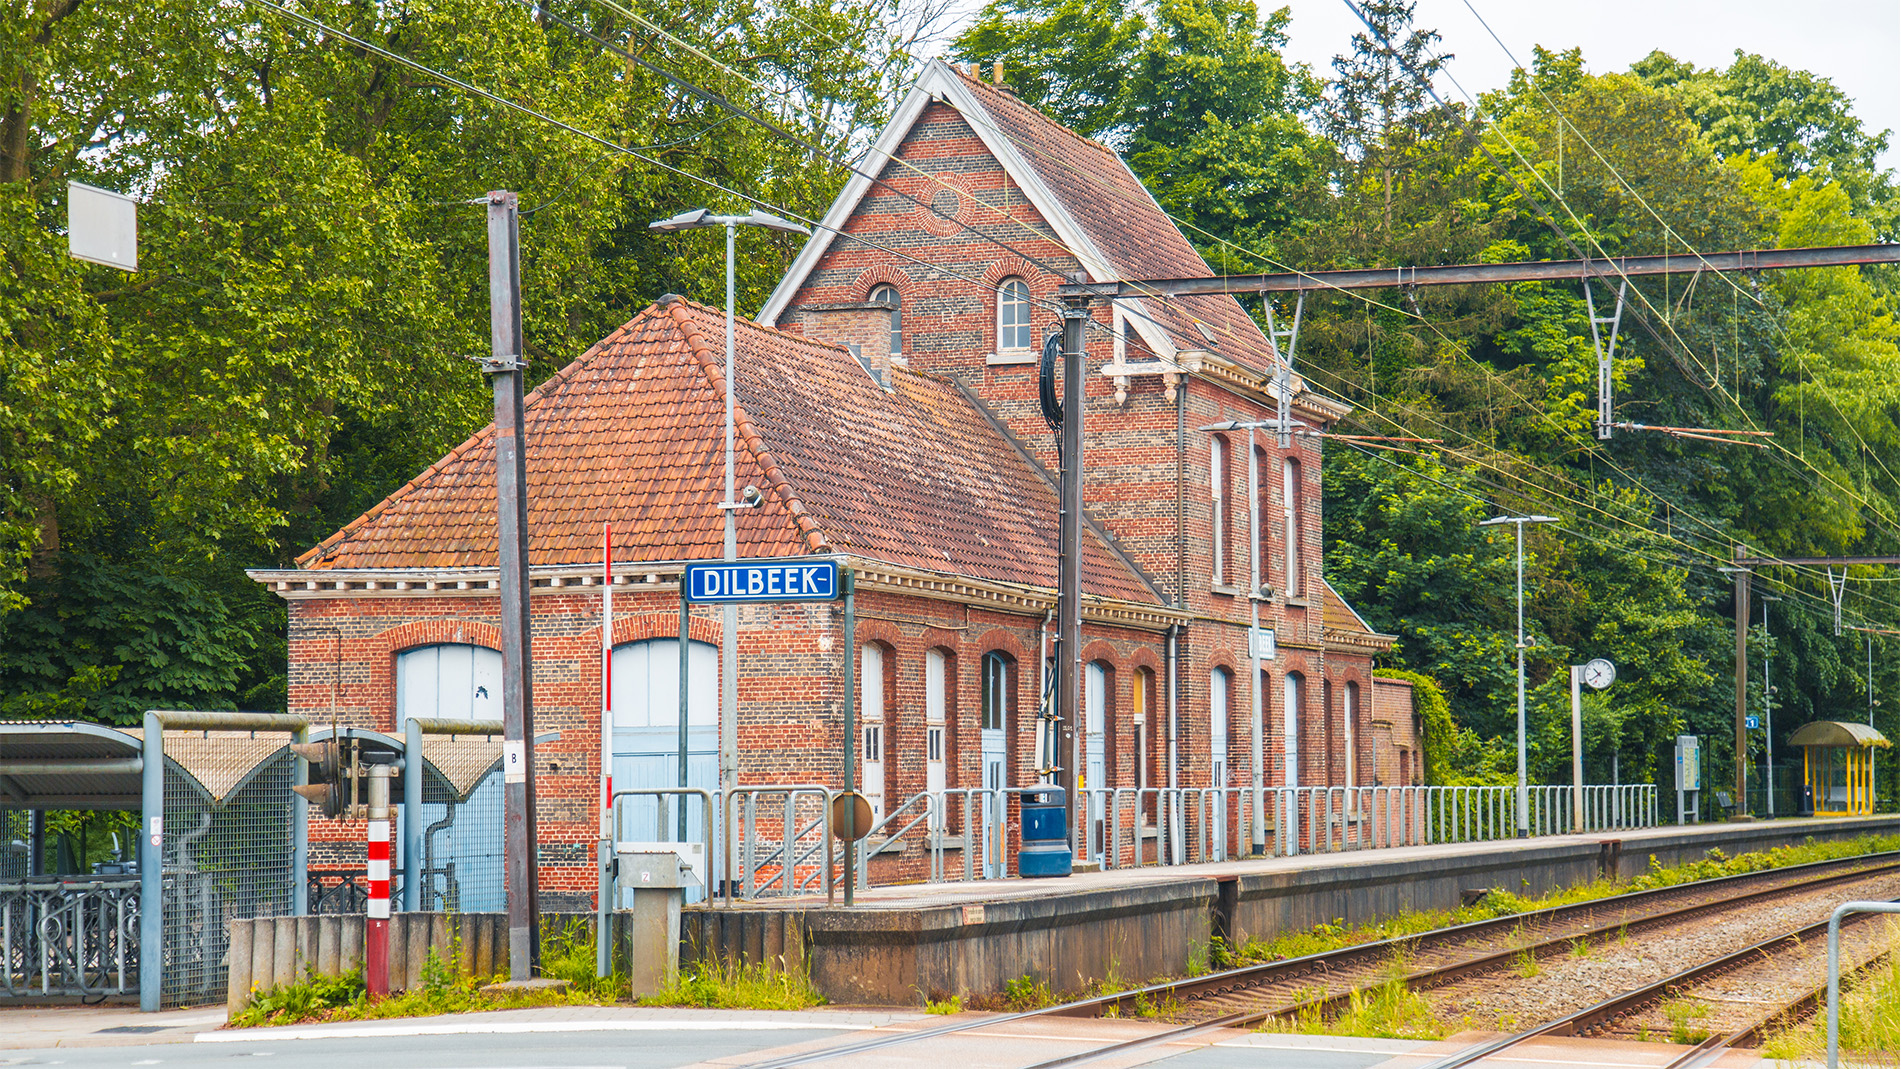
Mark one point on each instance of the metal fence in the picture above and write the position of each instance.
(783, 845)
(69, 935)
(461, 863)
(227, 854)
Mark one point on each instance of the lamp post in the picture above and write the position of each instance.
(1518, 523)
(1258, 591)
(699, 219)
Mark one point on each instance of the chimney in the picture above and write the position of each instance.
(864, 327)
(996, 72)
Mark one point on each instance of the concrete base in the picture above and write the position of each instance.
(535, 984)
(653, 932)
(901, 945)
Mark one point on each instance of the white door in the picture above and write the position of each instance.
(871, 685)
(935, 703)
(995, 714)
(647, 735)
(456, 682)
(1095, 776)
(1218, 754)
(1290, 731)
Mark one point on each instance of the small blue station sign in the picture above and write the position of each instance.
(1752, 723)
(794, 579)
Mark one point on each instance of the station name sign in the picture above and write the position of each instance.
(762, 580)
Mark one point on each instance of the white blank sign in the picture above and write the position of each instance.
(102, 226)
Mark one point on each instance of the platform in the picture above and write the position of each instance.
(901, 945)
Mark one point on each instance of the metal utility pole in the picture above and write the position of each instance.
(1524, 795)
(1742, 674)
(504, 368)
(1768, 721)
(1069, 565)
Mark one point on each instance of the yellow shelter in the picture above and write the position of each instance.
(1839, 767)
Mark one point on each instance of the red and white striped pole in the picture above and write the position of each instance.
(376, 932)
(603, 904)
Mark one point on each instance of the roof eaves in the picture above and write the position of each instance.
(748, 433)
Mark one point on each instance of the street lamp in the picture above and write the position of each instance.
(1519, 522)
(699, 219)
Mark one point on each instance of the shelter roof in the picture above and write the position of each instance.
(33, 751)
(1837, 733)
(910, 472)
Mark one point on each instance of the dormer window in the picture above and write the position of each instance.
(1013, 316)
(888, 294)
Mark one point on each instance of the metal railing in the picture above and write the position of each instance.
(776, 840)
(1835, 968)
(70, 935)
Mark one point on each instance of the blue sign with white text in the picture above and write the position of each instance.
(762, 580)
(1753, 723)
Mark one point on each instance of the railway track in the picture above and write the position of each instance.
(1247, 996)
(1602, 1017)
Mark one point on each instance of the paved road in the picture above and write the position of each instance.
(629, 1038)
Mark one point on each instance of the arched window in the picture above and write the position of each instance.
(452, 681)
(1290, 730)
(1218, 489)
(1348, 715)
(888, 294)
(937, 757)
(874, 664)
(1013, 316)
(1290, 516)
(1261, 520)
(1218, 727)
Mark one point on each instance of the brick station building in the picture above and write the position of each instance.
(888, 415)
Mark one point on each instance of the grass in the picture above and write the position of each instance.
(1325, 937)
(1525, 963)
(1685, 1015)
(945, 1007)
(567, 953)
(719, 985)
(1870, 1022)
(1386, 1010)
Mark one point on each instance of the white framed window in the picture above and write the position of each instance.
(888, 294)
(1218, 726)
(1290, 730)
(1218, 488)
(1349, 714)
(1290, 517)
(871, 732)
(452, 681)
(1013, 316)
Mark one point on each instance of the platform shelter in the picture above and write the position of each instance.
(1838, 766)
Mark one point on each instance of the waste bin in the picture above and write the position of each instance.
(1045, 835)
(1805, 801)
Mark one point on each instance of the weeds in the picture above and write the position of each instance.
(1683, 1015)
(719, 985)
(945, 1007)
(1870, 1021)
(1387, 1010)
(1525, 963)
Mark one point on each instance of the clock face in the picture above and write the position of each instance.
(1599, 673)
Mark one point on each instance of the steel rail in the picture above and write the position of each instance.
(1592, 1017)
(1381, 950)
(1250, 1017)
(1101, 1005)
(1429, 978)
(1797, 1009)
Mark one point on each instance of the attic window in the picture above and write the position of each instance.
(888, 295)
(1013, 316)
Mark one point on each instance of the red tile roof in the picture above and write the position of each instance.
(1125, 223)
(631, 434)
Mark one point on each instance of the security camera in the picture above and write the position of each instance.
(752, 496)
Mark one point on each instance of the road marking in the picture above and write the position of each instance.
(470, 1028)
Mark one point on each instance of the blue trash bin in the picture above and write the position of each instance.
(1045, 835)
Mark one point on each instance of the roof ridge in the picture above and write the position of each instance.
(560, 377)
(680, 311)
(1039, 113)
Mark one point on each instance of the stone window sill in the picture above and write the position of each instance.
(1011, 356)
(1225, 591)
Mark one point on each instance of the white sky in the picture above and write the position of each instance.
(1853, 43)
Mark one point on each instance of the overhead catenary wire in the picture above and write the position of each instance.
(1669, 231)
(1550, 221)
